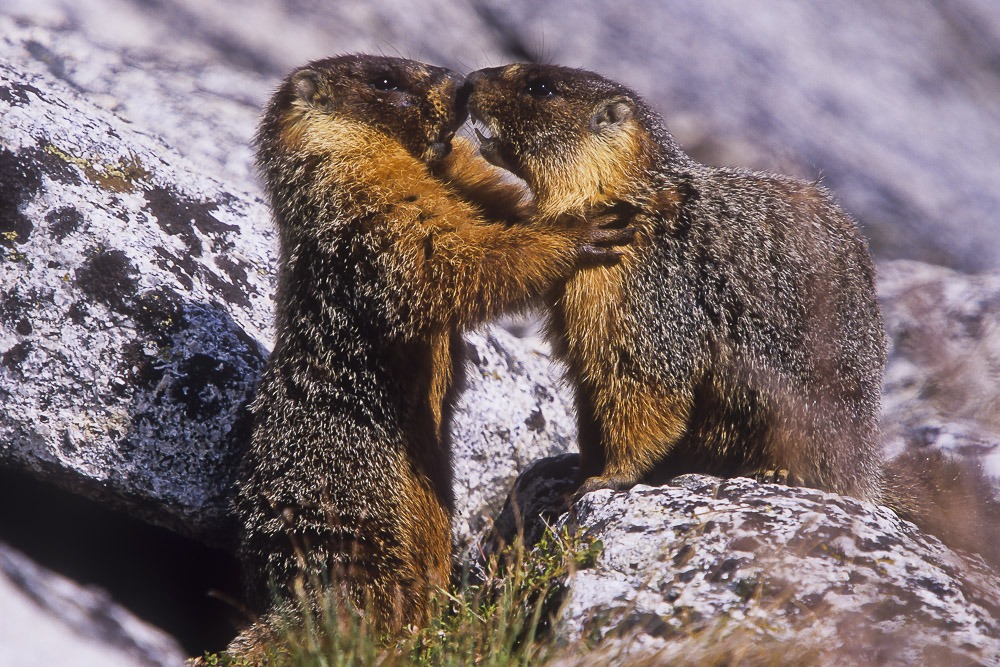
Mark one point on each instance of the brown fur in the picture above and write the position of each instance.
(740, 333)
(387, 251)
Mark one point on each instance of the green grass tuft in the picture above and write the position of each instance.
(499, 620)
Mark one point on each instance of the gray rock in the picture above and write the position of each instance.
(513, 411)
(135, 298)
(942, 382)
(49, 620)
(686, 567)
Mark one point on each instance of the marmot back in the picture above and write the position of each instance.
(740, 334)
(385, 254)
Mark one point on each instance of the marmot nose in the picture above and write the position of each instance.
(472, 81)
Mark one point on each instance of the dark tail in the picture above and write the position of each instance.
(950, 499)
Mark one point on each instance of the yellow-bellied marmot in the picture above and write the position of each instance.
(347, 479)
(739, 335)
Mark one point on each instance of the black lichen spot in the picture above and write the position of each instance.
(119, 211)
(183, 268)
(137, 370)
(756, 522)
(878, 543)
(238, 292)
(229, 292)
(535, 421)
(813, 602)
(683, 555)
(180, 216)
(49, 160)
(210, 225)
(78, 312)
(725, 570)
(63, 222)
(175, 217)
(15, 356)
(13, 308)
(107, 276)
(687, 576)
(159, 314)
(747, 588)
(939, 588)
(200, 387)
(16, 94)
(20, 182)
(24, 327)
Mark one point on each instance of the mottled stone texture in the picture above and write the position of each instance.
(685, 568)
(135, 303)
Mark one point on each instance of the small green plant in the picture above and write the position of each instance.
(499, 619)
(503, 619)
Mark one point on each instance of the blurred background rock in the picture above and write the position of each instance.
(894, 104)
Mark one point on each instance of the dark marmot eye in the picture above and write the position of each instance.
(385, 82)
(540, 88)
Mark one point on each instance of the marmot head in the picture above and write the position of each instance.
(409, 102)
(577, 138)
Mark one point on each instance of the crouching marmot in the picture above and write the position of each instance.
(739, 335)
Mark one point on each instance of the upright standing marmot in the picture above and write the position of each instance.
(739, 335)
(347, 476)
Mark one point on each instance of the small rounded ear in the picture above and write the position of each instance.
(611, 112)
(305, 85)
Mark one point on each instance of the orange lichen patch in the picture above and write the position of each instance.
(124, 176)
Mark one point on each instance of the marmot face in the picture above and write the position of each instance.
(413, 103)
(574, 136)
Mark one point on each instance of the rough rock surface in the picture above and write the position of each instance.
(513, 412)
(135, 298)
(686, 566)
(67, 625)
